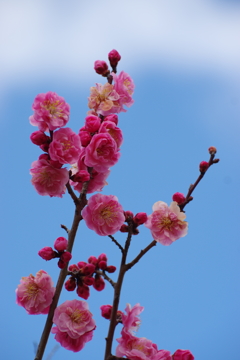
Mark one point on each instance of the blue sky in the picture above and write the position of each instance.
(184, 58)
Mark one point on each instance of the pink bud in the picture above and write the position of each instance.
(102, 265)
(178, 197)
(81, 264)
(93, 260)
(111, 269)
(101, 67)
(47, 253)
(83, 291)
(112, 117)
(66, 256)
(44, 147)
(60, 244)
(55, 164)
(106, 311)
(114, 57)
(73, 268)
(182, 355)
(85, 138)
(61, 264)
(92, 123)
(128, 215)
(140, 218)
(124, 228)
(39, 138)
(203, 166)
(81, 176)
(89, 269)
(102, 257)
(70, 284)
(87, 280)
(212, 150)
(44, 157)
(99, 283)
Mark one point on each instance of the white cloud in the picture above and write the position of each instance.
(58, 38)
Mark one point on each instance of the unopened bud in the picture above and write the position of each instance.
(88, 280)
(66, 256)
(83, 291)
(112, 117)
(81, 176)
(93, 260)
(212, 150)
(179, 198)
(99, 283)
(203, 166)
(124, 228)
(114, 57)
(140, 218)
(128, 215)
(102, 265)
(47, 253)
(70, 284)
(85, 137)
(106, 311)
(60, 243)
(88, 269)
(111, 269)
(101, 67)
(73, 268)
(39, 138)
(102, 257)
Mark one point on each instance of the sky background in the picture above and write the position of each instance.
(184, 58)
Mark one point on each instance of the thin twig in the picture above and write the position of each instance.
(65, 228)
(106, 277)
(116, 242)
(72, 194)
(140, 255)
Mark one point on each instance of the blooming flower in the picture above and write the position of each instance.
(166, 223)
(131, 320)
(104, 99)
(102, 152)
(65, 146)
(50, 111)
(47, 179)
(115, 132)
(182, 355)
(35, 293)
(74, 324)
(103, 214)
(124, 86)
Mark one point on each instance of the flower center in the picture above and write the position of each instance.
(66, 145)
(53, 107)
(31, 290)
(166, 223)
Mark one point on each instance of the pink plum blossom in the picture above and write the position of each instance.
(69, 343)
(75, 324)
(115, 132)
(124, 86)
(102, 152)
(65, 146)
(50, 111)
(103, 214)
(47, 179)
(130, 320)
(182, 355)
(35, 293)
(104, 99)
(167, 223)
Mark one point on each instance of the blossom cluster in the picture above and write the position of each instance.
(60, 245)
(74, 325)
(85, 274)
(135, 348)
(94, 149)
(138, 219)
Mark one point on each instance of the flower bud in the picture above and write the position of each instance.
(44, 147)
(140, 218)
(124, 228)
(81, 176)
(93, 260)
(99, 283)
(102, 257)
(128, 215)
(47, 253)
(182, 355)
(85, 138)
(81, 264)
(70, 284)
(39, 138)
(88, 269)
(61, 264)
(83, 291)
(73, 268)
(112, 117)
(92, 123)
(102, 265)
(203, 166)
(66, 256)
(60, 244)
(212, 150)
(101, 67)
(179, 198)
(55, 164)
(114, 57)
(87, 280)
(111, 269)
(106, 311)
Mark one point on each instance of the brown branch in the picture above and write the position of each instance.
(140, 255)
(106, 277)
(72, 194)
(65, 228)
(116, 242)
